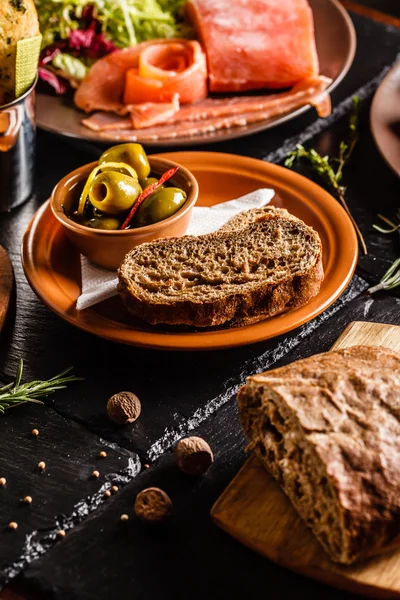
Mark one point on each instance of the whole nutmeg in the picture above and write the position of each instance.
(123, 408)
(153, 505)
(193, 455)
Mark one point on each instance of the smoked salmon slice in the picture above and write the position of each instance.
(153, 71)
(252, 44)
(166, 69)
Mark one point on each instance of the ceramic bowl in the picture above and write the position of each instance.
(105, 248)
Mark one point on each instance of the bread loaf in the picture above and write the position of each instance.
(327, 428)
(18, 21)
(230, 277)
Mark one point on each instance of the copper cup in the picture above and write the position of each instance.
(17, 150)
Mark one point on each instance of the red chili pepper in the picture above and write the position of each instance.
(146, 193)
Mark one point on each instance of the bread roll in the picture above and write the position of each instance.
(18, 20)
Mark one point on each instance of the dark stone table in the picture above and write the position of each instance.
(100, 557)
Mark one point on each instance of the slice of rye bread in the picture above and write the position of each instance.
(239, 276)
(327, 428)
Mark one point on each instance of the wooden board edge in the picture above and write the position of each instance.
(370, 326)
(352, 325)
(332, 578)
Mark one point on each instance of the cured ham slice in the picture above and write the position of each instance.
(140, 116)
(216, 114)
(307, 92)
(253, 44)
(152, 113)
(106, 121)
(103, 86)
(311, 91)
(145, 74)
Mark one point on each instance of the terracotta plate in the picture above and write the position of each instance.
(221, 177)
(332, 23)
(385, 118)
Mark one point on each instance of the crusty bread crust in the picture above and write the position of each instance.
(18, 21)
(328, 429)
(246, 217)
(300, 291)
(231, 304)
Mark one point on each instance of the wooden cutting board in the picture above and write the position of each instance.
(255, 511)
(6, 284)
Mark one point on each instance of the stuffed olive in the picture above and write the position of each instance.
(114, 193)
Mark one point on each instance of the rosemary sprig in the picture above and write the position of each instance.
(394, 225)
(16, 393)
(332, 168)
(390, 280)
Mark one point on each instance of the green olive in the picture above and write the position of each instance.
(146, 181)
(122, 169)
(108, 223)
(97, 222)
(130, 154)
(159, 206)
(113, 193)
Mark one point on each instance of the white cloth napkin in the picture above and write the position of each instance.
(99, 284)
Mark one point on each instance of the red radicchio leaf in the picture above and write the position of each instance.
(80, 39)
(49, 53)
(88, 13)
(89, 43)
(100, 47)
(52, 79)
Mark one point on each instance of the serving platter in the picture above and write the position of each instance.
(221, 177)
(332, 23)
(385, 118)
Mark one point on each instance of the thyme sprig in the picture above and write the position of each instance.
(332, 168)
(16, 393)
(390, 280)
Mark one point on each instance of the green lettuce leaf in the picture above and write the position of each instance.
(70, 65)
(124, 22)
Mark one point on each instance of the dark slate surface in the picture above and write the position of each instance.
(179, 391)
(189, 553)
(64, 493)
(391, 7)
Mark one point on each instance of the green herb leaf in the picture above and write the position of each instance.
(16, 393)
(19, 373)
(324, 165)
